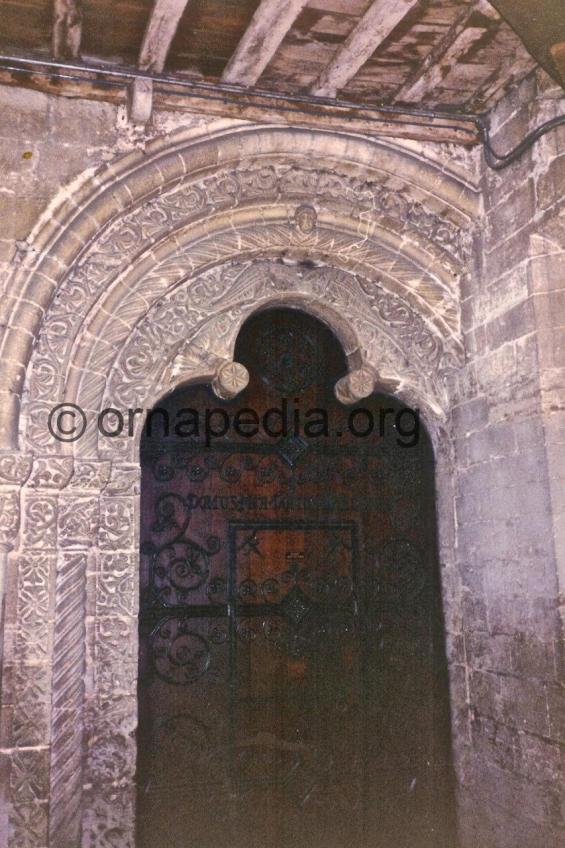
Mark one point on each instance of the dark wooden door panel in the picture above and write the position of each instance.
(292, 682)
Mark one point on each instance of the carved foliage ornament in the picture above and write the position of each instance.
(122, 241)
(14, 468)
(388, 327)
(9, 517)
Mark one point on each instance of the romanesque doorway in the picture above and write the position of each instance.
(292, 679)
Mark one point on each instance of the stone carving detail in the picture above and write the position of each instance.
(9, 518)
(109, 820)
(37, 419)
(124, 480)
(110, 773)
(14, 468)
(116, 592)
(179, 315)
(30, 725)
(28, 824)
(29, 775)
(78, 522)
(28, 789)
(40, 522)
(305, 219)
(388, 327)
(363, 200)
(90, 475)
(115, 660)
(33, 607)
(67, 724)
(106, 825)
(110, 766)
(185, 309)
(231, 379)
(355, 386)
(116, 524)
(51, 472)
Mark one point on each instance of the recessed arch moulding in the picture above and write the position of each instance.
(139, 282)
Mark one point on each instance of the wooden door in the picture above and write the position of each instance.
(292, 681)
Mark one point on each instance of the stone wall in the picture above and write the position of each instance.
(43, 148)
(509, 435)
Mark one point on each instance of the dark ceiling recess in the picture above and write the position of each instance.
(541, 26)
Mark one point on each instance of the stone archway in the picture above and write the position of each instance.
(141, 281)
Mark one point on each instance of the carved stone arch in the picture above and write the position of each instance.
(164, 349)
(105, 323)
(72, 250)
(371, 238)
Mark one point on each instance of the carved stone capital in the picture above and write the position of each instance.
(231, 379)
(355, 386)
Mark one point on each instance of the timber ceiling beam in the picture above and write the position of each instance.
(377, 23)
(102, 82)
(270, 23)
(67, 29)
(468, 29)
(159, 33)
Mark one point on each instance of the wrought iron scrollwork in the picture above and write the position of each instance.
(289, 360)
(197, 466)
(180, 565)
(180, 655)
(297, 582)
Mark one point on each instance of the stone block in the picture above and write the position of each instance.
(550, 309)
(494, 441)
(539, 760)
(511, 611)
(552, 349)
(556, 709)
(471, 415)
(533, 657)
(507, 254)
(550, 186)
(474, 613)
(529, 433)
(511, 120)
(495, 743)
(523, 705)
(489, 653)
(77, 522)
(547, 273)
(511, 215)
(484, 694)
(518, 321)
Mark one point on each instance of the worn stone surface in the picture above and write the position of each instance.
(509, 496)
